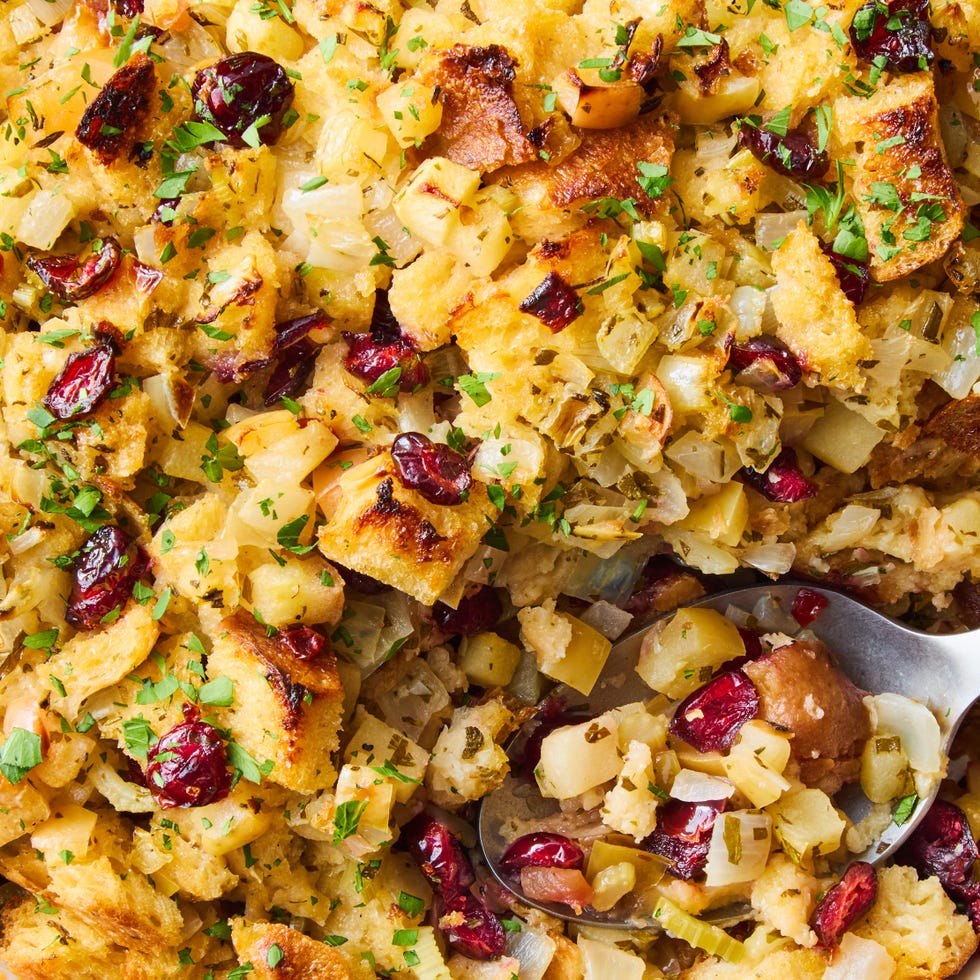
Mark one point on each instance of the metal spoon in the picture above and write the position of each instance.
(875, 652)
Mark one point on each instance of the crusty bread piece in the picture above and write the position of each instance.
(277, 952)
(897, 142)
(285, 709)
(816, 320)
(384, 529)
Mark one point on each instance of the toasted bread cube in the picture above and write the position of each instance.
(297, 956)
(22, 808)
(383, 529)
(816, 320)
(95, 660)
(285, 710)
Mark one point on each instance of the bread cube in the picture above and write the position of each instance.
(91, 661)
(285, 710)
(384, 529)
(298, 955)
(816, 320)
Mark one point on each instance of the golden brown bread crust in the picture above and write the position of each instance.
(297, 957)
(604, 165)
(899, 144)
(286, 710)
(481, 124)
(800, 690)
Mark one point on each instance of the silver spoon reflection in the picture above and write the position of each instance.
(875, 652)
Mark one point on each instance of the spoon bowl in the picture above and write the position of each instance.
(878, 654)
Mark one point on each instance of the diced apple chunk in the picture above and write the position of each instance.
(489, 660)
(679, 657)
(593, 747)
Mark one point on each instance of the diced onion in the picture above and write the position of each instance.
(739, 850)
(50, 12)
(698, 787)
(534, 949)
(848, 528)
(608, 619)
(773, 559)
(913, 723)
(601, 961)
(773, 228)
(45, 219)
(713, 460)
(611, 579)
(963, 369)
(748, 303)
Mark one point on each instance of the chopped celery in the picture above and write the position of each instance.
(701, 935)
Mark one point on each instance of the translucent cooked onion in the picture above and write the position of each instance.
(185, 50)
(607, 619)
(697, 787)
(50, 12)
(611, 579)
(773, 559)
(748, 303)
(739, 850)
(773, 228)
(534, 949)
(715, 460)
(913, 723)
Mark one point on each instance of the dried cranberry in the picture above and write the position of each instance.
(82, 383)
(71, 277)
(128, 8)
(475, 613)
(440, 856)
(472, 929)
(105, 571)
(895, 36)
(942, 845)
(438, 473)
(553, 302)
(303, 642)
(845, 903)
(360, 582)
(710, 717)
(765, 363)
(244, 91)
(683, 835)
(783, 482)
(542, 850)
(147, 278)
(807, 605)
(852, 275)
(188, 766)
(385, 348)
(294, 355)
(793, 155)
(113, 116)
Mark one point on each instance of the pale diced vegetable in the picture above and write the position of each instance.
(592, 745)
(807, 824)
(489, 660)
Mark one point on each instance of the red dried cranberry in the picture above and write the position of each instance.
(710, 717)
(113, 116)
(303, 642)
(82, 383)
(105, 571)
(807, 605)
(440, 856)
(895, 36)
(683, 835)
(942, 845)
(553, 302)
(542, 850)
(294, 354)
(845, 903)
(852, 275)
(475, 613)
(438, 473)
(765, 363)
(241, 92)
(783, 482)
(128, 8)
(71, 277)
(188, 766)
(384, 349)
(793, 155)
(472, 929)
(147, 278)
